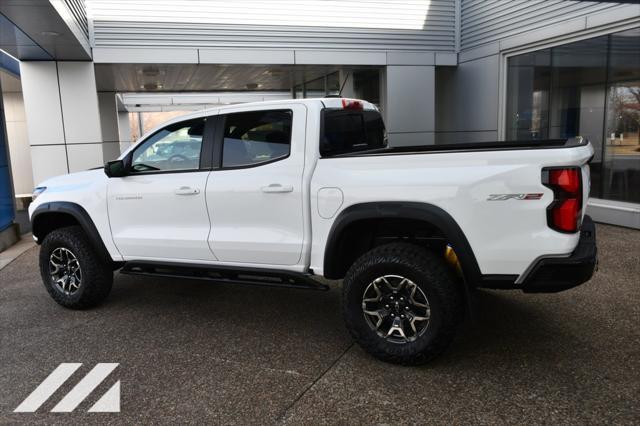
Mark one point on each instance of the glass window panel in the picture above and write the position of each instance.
(528, 83)
(579, 73)
(346, 131)
(590, 88)
(175, 147)
(621, 162)
(255, 137)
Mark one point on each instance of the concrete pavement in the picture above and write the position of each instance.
(195, 352)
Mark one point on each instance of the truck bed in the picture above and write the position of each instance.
(460, 179)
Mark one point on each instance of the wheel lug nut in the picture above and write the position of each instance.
(391, 297)
(406, 307)
(402, 316)
(386, 306)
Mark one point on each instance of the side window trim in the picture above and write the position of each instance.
(206, 151)
(206, 148)
(218, 141)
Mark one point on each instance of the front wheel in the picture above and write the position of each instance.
(401, 303)
(71, 271)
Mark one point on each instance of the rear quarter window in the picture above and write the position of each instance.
(345, 131)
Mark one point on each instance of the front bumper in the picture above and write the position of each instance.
(553, 274)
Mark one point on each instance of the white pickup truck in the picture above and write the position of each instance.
(275, 193)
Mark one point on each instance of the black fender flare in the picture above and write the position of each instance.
(404, 210)
(79, 214)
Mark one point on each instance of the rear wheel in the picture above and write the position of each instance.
(401, 303)
(71, 271)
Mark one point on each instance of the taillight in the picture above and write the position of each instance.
(565, 212)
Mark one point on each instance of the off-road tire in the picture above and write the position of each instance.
(97, 276)
(430, 273)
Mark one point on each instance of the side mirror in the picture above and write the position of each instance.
(115, 168)
(118, 168)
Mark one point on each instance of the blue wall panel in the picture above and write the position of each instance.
(7, 212)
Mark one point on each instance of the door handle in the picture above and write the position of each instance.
(187, 190)
(276, 187)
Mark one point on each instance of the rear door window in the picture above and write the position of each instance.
(256, 137)
(346, 131)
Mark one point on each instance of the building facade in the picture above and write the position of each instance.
(552, 69)
(441, 71)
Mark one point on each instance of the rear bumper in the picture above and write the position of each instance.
(553, 274)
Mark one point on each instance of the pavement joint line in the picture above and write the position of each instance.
(308, 388)
(260, 367)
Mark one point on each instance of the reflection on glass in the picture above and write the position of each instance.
(175, 147)
(621, 171)
(256, 137)
(578, 88)
(590, 88)
(528, 84)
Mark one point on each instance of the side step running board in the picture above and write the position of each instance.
(225, 274)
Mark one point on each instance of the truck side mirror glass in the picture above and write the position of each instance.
(115, 168)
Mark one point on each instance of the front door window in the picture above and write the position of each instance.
(175, 148)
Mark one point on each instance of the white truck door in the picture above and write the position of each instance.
(159, 210)
(255, 196)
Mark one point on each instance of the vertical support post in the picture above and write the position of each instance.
(410, 105)
(124, 130)
(63, 117)
(109, 125)
(140, 124)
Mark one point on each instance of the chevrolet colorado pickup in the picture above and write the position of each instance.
(275, 193)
